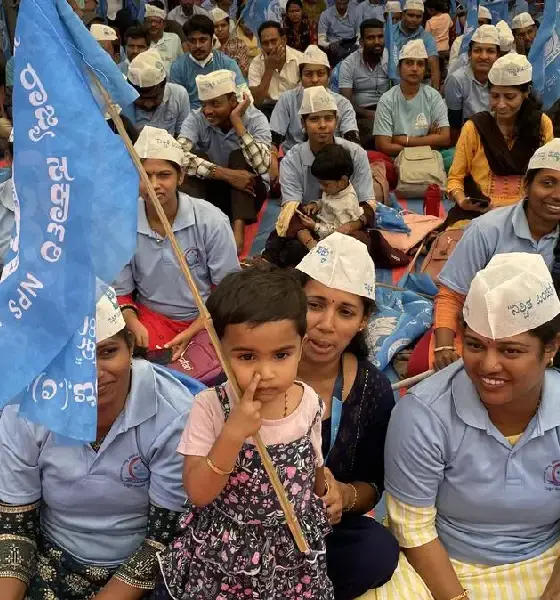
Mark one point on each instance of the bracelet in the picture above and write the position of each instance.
(438, 350)
(351, 507)
(131, 307)
(462, 596)
(406, 143)
(216, 469)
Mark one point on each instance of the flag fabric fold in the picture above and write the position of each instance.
(470, 26)
(75, 194)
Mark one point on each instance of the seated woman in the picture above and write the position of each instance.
(227, 42)
(300, 30)
(495, 146)
(157, 304)
(466, 89)
(471, 457)
(299, 186)
(528, 226)
(411, 113)
(361, 553)
(82, 522)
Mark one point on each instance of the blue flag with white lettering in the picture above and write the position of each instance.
(258, 11)
(544, 55)
(75, 198)
(392, 50)
(470, 26)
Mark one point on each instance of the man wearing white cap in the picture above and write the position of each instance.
(466, 89)
(167, 44)
(285, 121)
(338, 29)
(107, 38)
(136, 40)
(483, 438)
(524, 31)
(235, 139)
(393, 11)
(363, 76)
(185, 10)
(506, 37)
(411, 113)
(160, 104)
(227, 42)
(201, 59)
(484, 18)
(410, 29)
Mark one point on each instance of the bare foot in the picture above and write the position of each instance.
(239, 235)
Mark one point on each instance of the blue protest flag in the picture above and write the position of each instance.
(499, 9)
(453, 7)
(544, 55)
(392, 50)
(470, 26)
(75, 198)
(258, 11)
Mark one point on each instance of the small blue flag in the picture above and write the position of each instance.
(392, 50)
(257, 12)
(453, 7)
(75, 197)
(544, 55)
(499, 9)
(470, 26)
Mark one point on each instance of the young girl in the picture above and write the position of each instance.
(235, 542)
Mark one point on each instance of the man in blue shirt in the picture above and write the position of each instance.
(410, 28)
(338, 30)
(201, 59)
(136, 40)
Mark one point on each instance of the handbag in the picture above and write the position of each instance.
(420, 226)
(199, 360)
(418, 168)
(441, 250)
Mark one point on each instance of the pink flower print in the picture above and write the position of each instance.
(225, 537)
(290, 472)
(299, 587)
(248, 454)
(295, 489)
(232, 498)
(224, 587)
(243, 477)
(248, 592)
(256, 558)
(233, 480)
(223, 556)
(307, 495)
(264, 488)
(306, 579)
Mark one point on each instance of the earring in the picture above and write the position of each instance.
(551, 362)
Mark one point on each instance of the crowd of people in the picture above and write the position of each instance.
(172, 500)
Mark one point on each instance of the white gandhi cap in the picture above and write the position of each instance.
(108, 316)
(506, 36)
(393, 6)
(103, 33)
(146, 70)
(414, 5)
(512, 295)
(546, 157)
(157, 143)
(511, 69)
(154, 12)
(343, 263)
(316, 99)
(522, 20)
(486, 34)
(215, 84)
(313, 55)
(414, 49)
(484, 13)
(218, 14)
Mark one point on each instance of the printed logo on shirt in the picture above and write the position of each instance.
(134, 473)
(421, 122)
(552, 476)
(193, 257)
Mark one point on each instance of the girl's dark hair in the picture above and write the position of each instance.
(332, 163)
(554, 113)
(290, 2)
(548, 331)
(258, 295)
(128, 337)
(471, 44)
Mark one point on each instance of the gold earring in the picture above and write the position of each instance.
(551, 362)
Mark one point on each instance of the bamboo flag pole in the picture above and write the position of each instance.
(287, 508)
(412, 380)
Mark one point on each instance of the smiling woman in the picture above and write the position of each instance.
(472, 453)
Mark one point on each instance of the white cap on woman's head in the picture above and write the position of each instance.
(313, 55)
(414, 49)
(486, 34)
(414, 5)
(505, 35)
(546, 157)
(154, 11)
(316, 99)
(108, 316)
(522, 20)
(512, 295)
(393, 6)
(343, 263)
(215, 84)
(157, 143)
(218, 14)
(511, 69)
(103, 33)
(146, 70)
(484, 13)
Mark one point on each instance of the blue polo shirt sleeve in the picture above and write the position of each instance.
(232, 65)
(176, 71)
(439, 109)
(221, 251)
(346, 73)
(453, 93)
(346, 116)
(430, 44)
(362, 179)
(291, 177)
(184, 110)
(383, 123)
(323, 23)
(259, 127)
(20, 475)
(191, 126)
(470, 255)
(415, 450)
(124, 283)
(280, 117)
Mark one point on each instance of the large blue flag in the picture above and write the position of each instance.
(545, 55)
(75, 196)
(392, 50)
(258, 11)
(499, 9)
(470, 26)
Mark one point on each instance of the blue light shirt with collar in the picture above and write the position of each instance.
(401, 37)
(206, 239)
(123, 66)
(367, 10)
(463, 92)
(367, 84)
(169, 115)
(95, 505)
(185, 69)
(499, 231)
(7, 217)
(496, 503)
(298, 184)
(286, 121)
(397, 115)
(217, 144)
(336, 27)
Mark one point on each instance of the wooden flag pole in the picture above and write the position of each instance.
(287, 508)
(412, 380)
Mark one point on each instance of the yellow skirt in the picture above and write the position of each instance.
(524, 580)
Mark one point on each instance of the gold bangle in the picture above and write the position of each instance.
(462, 596)
(131, 307)
(354, 489)
(439, 350)
(216, 469)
